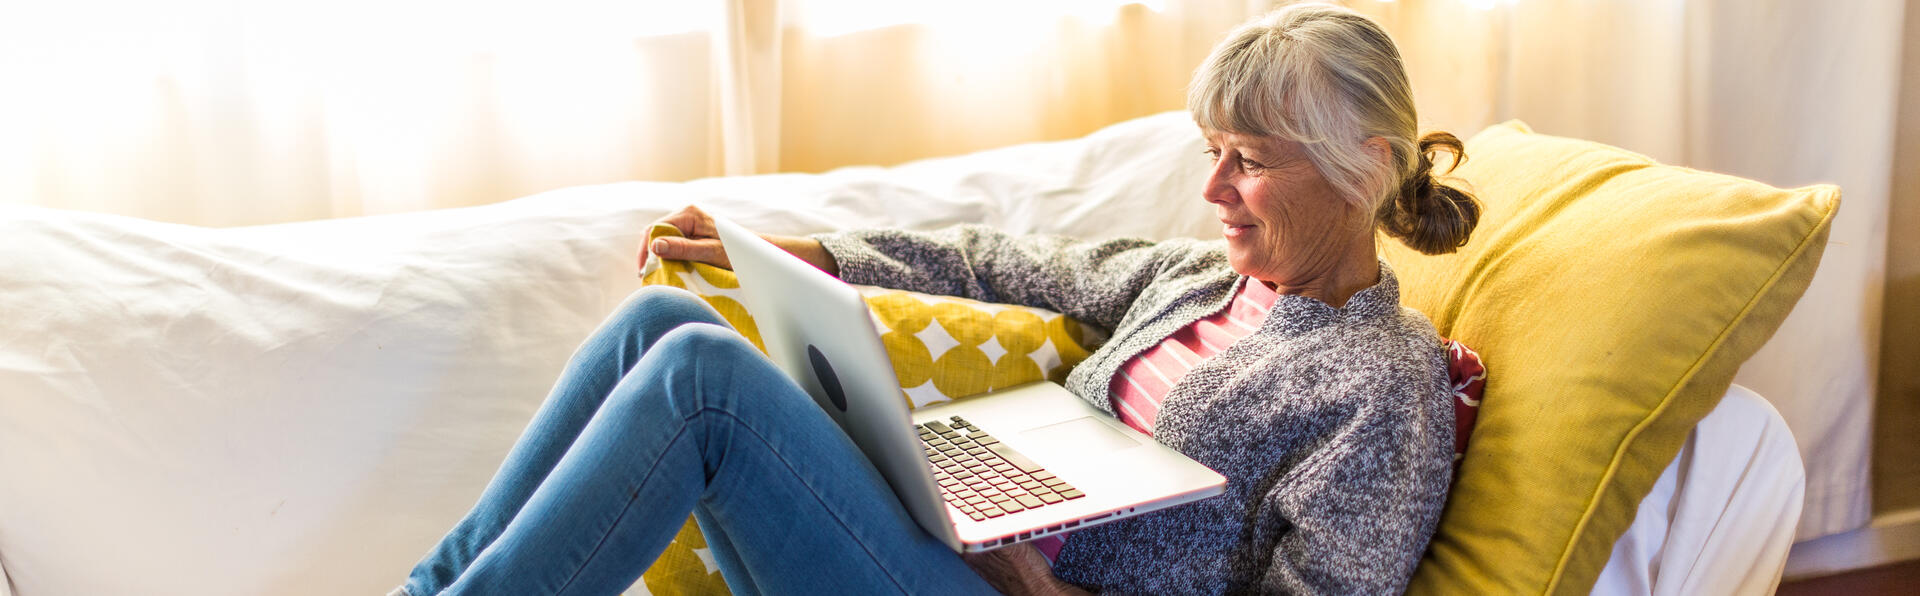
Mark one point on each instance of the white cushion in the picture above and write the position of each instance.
(1721, 517)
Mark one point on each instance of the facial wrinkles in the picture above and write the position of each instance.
(1299, 219)
(1302, 243)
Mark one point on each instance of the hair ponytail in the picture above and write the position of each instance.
(1432, 217)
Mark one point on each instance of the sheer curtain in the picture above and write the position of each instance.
(229, 112)
(234, 112)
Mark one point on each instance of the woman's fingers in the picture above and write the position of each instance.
(700, 242)
(700, 250)
(693, 222)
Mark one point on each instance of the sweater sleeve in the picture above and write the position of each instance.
(1095, 282)
(1362, 508)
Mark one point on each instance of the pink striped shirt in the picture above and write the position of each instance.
(1145, 381)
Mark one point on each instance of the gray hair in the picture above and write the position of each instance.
(1330, 79)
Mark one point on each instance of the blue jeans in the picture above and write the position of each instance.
(666, 411)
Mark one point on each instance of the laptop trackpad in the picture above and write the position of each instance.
(1079, 434)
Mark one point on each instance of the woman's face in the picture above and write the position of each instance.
(1283, 222)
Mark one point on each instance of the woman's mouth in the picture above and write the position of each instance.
(1235, 231)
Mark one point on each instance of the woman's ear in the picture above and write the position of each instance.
(1379, 150)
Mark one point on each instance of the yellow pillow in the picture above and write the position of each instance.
(943, 348)
(1614, 297)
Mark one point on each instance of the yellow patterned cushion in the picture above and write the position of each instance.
(1617, 296)
(943, 348)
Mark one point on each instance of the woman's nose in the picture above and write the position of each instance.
(1219, 187)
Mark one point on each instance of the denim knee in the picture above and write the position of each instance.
(719, 352)
(712, 343)
(652, 311)
(661, 299)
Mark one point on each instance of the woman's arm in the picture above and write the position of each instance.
(1094, 282)
(700, 242)
(1362, 508)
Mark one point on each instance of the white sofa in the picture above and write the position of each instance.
(305, 408)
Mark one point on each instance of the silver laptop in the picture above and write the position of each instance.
(978, 473)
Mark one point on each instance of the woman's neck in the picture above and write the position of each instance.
(1357, 269)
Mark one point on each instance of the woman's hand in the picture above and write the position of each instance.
(1017, 570)
(700, 243)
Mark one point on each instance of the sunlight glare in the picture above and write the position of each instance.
(829, 18)
(1489, 4)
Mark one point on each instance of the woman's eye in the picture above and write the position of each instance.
(1211, 153)
(1248, 165)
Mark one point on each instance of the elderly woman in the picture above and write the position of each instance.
(1280, 357)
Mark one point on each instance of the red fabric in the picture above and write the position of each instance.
(1469, 377)
(1145, 380)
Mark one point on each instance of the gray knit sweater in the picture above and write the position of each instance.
(1333, 426)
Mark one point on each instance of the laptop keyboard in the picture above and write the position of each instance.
(983, 477)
